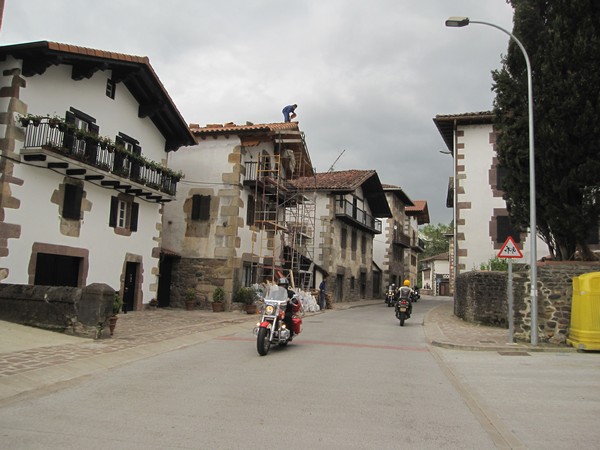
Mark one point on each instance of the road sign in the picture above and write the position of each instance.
(509, 249)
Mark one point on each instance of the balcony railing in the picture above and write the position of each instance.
(258, 172)
(401, 239)
(346, 210)
(56, 146)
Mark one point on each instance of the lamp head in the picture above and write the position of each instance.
(457, 22)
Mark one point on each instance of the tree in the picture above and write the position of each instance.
(435, 238)
(562, 39)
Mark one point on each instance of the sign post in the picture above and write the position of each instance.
(510, 251)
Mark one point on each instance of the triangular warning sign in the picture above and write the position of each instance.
(509, 249)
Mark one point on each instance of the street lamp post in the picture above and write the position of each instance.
(463, 22)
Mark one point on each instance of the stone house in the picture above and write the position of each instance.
(481, 221)
(390, 248)
(237, 219)
(348, 207)
(86, 136)
(418, 215)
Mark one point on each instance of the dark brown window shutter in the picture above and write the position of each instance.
(204, 207)
(114, 209)
(250, 211)
(135, 208)
(200, 207)
(72, 202)
(195, 207)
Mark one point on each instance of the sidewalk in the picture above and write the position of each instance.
(32, 359)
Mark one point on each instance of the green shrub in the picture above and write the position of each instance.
(218, 295)
(117, 303)
(245, 295)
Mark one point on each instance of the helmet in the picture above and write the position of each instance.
(406, 283)
(283, 281)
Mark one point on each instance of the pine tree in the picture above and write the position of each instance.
(562, 39)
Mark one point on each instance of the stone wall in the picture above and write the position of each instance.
(204, 275)
(76, 311)
(481, 297)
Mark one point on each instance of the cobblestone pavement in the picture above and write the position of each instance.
(133, 329)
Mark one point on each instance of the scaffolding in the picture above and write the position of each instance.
(284, 215)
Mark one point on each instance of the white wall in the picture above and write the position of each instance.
(477, 157)
(53, 93)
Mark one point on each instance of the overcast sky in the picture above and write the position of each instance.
(368, 76)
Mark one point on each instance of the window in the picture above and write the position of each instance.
(110, 88)
(75, 141)
(506, 229)
(200, 207)
(123, 213)
(57, 270)
(354, 240)
(124, 166)
(363, 245)
(344, 238)
(72, 202)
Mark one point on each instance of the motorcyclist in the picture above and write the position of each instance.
(405, 292)
(391, 289)
(292, 305)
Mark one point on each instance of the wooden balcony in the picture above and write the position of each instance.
(90, 158)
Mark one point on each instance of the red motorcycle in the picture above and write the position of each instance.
(272, 328)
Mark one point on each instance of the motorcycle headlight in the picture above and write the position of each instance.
(269, 310)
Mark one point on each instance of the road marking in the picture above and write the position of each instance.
(337, 344)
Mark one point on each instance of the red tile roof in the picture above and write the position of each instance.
(231, 127)
(398, 192)
(345, 180)
(136, 71)
(420, 211)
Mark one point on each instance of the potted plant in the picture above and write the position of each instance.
(217, 299)
(117, 305)
(190, 298)
(248, 297)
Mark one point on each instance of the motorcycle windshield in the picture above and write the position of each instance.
(277, 293)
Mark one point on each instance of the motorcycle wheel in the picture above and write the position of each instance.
(263, 344)
(402, 321)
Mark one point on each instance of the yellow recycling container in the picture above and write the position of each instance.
(584, 332)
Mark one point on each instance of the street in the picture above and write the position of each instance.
(353, 379)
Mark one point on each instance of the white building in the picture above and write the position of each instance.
(392, 248)
(481, 222)
(236, 218)
(74, 210)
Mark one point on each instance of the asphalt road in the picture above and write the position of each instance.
(354, 379)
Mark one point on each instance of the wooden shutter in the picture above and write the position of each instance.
(69, 137)
(114, 210)
(135, 208)
(72, 202)
(204, 207)
(250, 211)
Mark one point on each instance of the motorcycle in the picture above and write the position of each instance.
(415, 296)
(403, 310)
(272, 329)
(390, 297)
